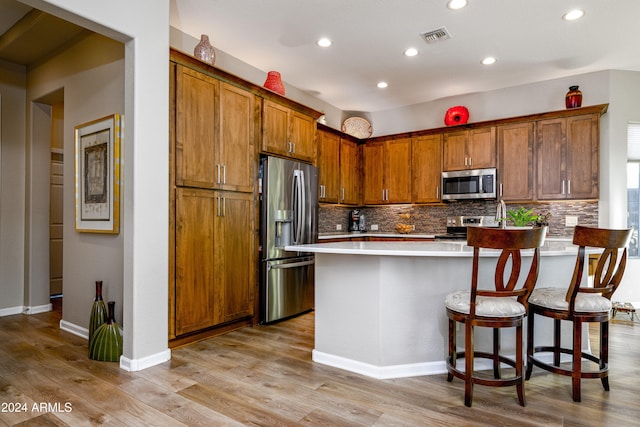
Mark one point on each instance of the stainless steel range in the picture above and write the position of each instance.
(457, 226)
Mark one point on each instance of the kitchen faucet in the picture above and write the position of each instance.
(501, 214)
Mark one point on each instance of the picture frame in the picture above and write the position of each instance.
(97, 175)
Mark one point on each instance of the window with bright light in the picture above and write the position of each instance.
(633, 185)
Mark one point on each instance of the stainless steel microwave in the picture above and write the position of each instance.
(469, 184)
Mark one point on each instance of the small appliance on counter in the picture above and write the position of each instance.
(457, 226)
(356, 221)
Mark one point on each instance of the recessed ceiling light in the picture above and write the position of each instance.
(412, 51)
(456, 4)
(572, 15)
(489, 60)
(382, 85)
(324, 42)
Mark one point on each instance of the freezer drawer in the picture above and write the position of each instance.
(287, 288)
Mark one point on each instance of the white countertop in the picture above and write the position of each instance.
(552, 247)
(374, 234)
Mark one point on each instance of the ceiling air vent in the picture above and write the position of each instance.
(437, 35)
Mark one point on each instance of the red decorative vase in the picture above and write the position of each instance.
(573, 98)
(457, 115)
(274, 82)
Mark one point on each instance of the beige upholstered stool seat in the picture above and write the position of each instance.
(555, 299)
(485, 306)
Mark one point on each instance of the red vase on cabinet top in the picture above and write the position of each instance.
(274, 82)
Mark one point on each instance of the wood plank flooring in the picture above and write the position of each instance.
(263, 376)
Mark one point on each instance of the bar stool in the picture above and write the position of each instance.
(501, 305)
(580, 304)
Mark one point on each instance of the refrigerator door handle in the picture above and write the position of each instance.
(291, 265)
(298, 204)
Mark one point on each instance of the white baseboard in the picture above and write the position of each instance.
(10, 311)
(380, 372)
(133, 365)
(74, 329)
(38, 309)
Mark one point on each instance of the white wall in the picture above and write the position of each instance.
(13, 81)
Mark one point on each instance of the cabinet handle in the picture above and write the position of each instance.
(437, 192)
(500, 189)
(224, 174)
(218, 205)
(465, 160)
(569, 186)
(218, 174)
(563, 186)
(224, 206)
(470, 161)
(342, 195)
(321, 191)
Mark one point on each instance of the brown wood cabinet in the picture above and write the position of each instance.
(515, 161)
(469, 149)
(287, 132)
(567, 157)
(328, 167)
(387, 171)
(338, 168)
(215, 266)
(215, 133)
(350, 176)
(426, 168)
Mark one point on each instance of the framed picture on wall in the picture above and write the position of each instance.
(97, 170)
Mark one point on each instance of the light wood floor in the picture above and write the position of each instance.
(263, 376)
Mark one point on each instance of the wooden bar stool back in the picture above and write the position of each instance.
(580, 304)
(502, 304)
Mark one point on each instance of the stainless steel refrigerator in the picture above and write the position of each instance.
(289, 216)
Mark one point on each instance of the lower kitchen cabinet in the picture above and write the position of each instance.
(215, 259)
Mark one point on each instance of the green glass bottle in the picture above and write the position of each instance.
(106, 342)
(98, 311)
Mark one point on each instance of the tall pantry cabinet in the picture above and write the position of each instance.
(213, 267)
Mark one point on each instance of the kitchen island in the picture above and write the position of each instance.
(379, 306)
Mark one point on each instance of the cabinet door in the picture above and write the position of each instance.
(551, 158)
(302, 137)
(482, 148)
(275, 128)
(515, 168)
(236, 150)
(455, 151)
(328, 166)
(398, 170)
(426, 168)
(235, 260)
(374, 191)
(350, 177)
(196, 136)
(195, 278)
(582, 157)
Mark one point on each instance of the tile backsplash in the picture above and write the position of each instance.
(432, 219)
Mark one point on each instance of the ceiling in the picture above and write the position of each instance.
(529, 39)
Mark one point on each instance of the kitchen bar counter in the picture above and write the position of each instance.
(379, 306)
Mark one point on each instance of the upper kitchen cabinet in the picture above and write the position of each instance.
(426, 168)
(515, 161)
(196, 136)
(469, 149)
(567, 157)
(288, 132)
(215, 133)
(338, 168)
(328, 167)
(387, 171)
(350, 176)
